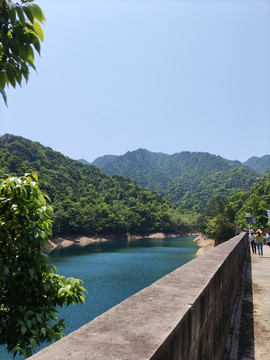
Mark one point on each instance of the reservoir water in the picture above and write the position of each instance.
(114, 271)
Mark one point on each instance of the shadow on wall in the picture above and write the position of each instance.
(240, 340)
(246, 335)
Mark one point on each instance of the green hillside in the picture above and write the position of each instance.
(188, 179)
(86, 201)
(261, 165)
(84, 162)
(224, 216)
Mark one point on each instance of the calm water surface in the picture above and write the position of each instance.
(113, 272)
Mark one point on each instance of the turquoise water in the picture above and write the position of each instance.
(113, 272)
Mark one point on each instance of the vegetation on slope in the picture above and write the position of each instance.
(187, 179)
(261, 165)
(89, 202)
(223, 216)
(86, 201)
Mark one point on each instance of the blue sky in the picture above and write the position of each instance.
(168, 76)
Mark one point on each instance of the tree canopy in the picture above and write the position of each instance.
(30, 288)
(187, 179)
(20, 36)
(224, 215)
(88, 202)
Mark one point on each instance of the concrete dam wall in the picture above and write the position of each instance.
(184, 315)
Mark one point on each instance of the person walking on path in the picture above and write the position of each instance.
(252, 241)
(267, 239)
(259, 240)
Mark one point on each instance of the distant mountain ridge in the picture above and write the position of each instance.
(258, 164)
(261, 165)
(188, 179)
(84, 162)
(85, 200)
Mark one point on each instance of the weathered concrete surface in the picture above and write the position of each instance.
(184, 315)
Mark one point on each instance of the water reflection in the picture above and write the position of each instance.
(96, 247)
(114, 245)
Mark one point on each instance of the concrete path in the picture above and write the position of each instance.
(254, 334)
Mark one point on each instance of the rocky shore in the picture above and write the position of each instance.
(60, 242)
(205, 244)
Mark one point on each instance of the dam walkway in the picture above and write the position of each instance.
(250, 335)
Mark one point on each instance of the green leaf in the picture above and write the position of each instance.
(43, 235)
(22, 351)
(38, 12)
(2, 80)
(37, 45)
(30, 52)
(32, 273)
(29, 352)
(11, 77)
(3, 95)
(20, 15)
(30, 61)
(39, 31)
(27, 9)
(39, 318)
(18, 75)
(25, 73)
(29, 324)
(23, 329)
(12, 14)
(35, 176)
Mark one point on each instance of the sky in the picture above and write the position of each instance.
(166, 76)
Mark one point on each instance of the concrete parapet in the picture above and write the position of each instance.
(184, 315)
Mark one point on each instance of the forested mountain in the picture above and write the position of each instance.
(84, 162)
(224, 216)
(261, 165)
(188, 179)
(86, 201)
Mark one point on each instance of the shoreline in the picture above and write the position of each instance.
(63, 242)
(204, 243)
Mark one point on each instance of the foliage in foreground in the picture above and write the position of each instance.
(20, 35)
(30, 288)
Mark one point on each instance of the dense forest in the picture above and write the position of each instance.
(86, 201)
(224, 216)
(261, 165)
(203, 192)
(220, 190)
(188, 179)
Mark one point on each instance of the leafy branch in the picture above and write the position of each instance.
(30, 288)
(20, 36)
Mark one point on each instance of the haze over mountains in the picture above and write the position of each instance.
(258, 164)
(188, 179)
